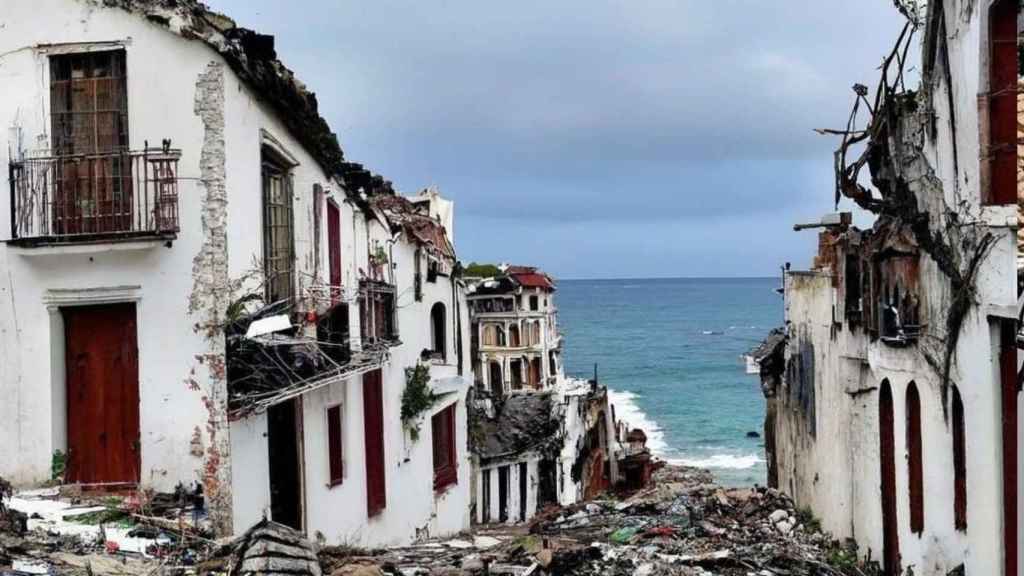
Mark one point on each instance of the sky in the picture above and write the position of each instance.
(596, 138)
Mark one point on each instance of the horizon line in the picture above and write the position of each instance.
(635, 278)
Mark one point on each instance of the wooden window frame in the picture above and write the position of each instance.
(278, 228)
(446, 461)
(335, 445)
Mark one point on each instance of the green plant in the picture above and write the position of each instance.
(379, 256)
(58, 464)
(806, 517)
(475, 270)
(417, 398)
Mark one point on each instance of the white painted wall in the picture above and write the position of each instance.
(837, 475)
(160, 281)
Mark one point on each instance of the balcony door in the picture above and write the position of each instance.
(89, 115)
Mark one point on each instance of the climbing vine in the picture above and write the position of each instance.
(417, 398)
(891, 146)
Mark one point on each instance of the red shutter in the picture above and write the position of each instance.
(373, 417)
(334, 445)
(445, 456)
(915, 461)
(334, 248)
(1003, 102)
(959, 463)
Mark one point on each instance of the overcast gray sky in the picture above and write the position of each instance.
(594, 138)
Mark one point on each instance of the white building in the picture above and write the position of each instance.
(537, 437)
(198, 288)
(515, 331)
(893, 402)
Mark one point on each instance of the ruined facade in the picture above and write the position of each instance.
(893, 398)
(515, 331)
(198, 288)
(537, 436)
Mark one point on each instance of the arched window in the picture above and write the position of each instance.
(887, 455)
(1003, 70)
(438, 336)
(915, 471)
(513, 336)
(959, 463)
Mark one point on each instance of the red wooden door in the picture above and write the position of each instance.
(373, 421)
(887, 430)
(102, 394)
(334, 248)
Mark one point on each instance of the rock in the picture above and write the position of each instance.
(269, 548)
(778, 516)
(544, 558)
(753, 434)
(358, 570)
(485, 542)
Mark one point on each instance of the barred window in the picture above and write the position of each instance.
(278, 232)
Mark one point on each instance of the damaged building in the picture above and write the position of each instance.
(201, 289)
(893, 395)
(537, 436)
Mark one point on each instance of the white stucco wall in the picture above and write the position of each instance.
(837, 474)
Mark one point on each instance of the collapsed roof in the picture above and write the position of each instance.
(521, 423)
(403, 215)
(254, 59)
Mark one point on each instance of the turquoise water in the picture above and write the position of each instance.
(670, 351)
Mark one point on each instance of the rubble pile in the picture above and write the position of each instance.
(685, 525)
(60, 530)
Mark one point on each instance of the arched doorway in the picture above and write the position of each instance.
(887, 455)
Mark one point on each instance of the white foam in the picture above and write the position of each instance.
(720, 461)
(628, 412)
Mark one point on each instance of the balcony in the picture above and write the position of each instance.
(92, 198)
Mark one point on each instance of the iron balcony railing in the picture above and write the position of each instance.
(112, 195)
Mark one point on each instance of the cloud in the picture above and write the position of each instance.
(596, 114)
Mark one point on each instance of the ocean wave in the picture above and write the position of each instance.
(628, 412)
(720, 461)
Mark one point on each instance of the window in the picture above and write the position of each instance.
(438, 337)
(278, 230)
(377, 312)
(89, 115)
(446, 466)
(959, 463)
(915, 472)
(534, 303)
(89, 103)
(513, 336)
(335, 454)
(1003, 74)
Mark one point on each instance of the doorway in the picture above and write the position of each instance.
(284, 442)
(890, 525)
(102, 380)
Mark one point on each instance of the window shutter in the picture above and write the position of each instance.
(334, 445)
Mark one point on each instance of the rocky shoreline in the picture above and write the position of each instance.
(684, 524)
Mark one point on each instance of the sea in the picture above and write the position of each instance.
(671, 352)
